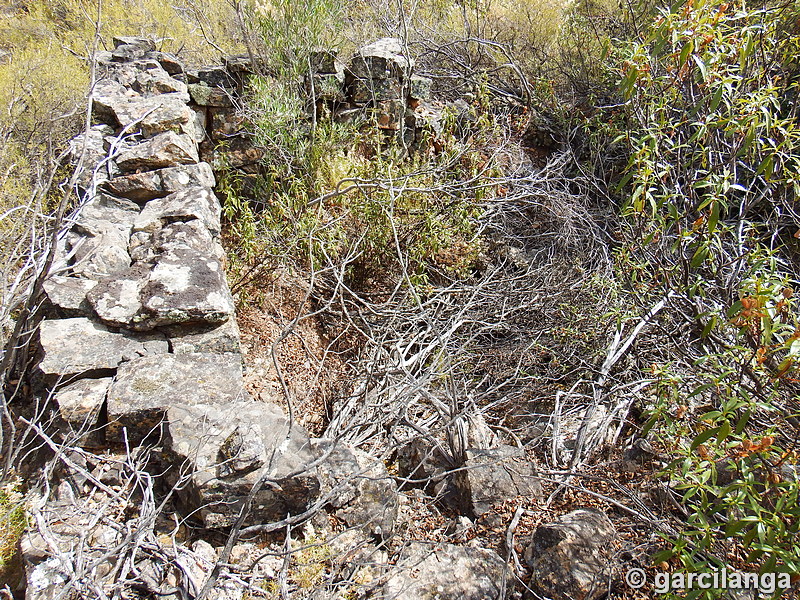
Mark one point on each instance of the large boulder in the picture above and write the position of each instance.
(445, 572)
(570, 558)
(78, 345)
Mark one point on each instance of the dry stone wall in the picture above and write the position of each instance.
(140, 352)
(140, 343)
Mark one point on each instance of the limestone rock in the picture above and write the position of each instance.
(493, 475)
(366, 496)
(570, 558)
(167, 149)
(78, 345)
(67, 295)
(145, 388)
(446, 572)
(141, 187)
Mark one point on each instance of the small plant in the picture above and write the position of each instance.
(13, 521)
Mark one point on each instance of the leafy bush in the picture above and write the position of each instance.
(709, 122)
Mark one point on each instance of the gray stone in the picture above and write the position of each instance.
(169, 62)
(106, 95)
(185, 286)
(68, 295)
(117, 301)
(154, 115)
(78, 345)
(104, 210)
(80, 404)
(215, 339)
(570, 558)
(205, 95)
(147, 246)
(99, 252)
(185, 205)
(364, 495)
(128, 52)
(382, 59)
(445, 572)
(164, 150)
(231, 448)
(99, 239)
(158, 81)
(182, 284)
(494, 475)
(145, 44)
(145, 388)
(97, 167)
(420, 87)
(362, 91)
(141, 187)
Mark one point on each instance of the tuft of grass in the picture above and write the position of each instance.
(13, 522)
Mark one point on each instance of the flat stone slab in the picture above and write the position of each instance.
(445, 572)
(144, 388)
(78, 345)
(216, 339)
(180, 284)
(141, 187)
(167, 149)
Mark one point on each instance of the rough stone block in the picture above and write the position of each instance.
(78, 345)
